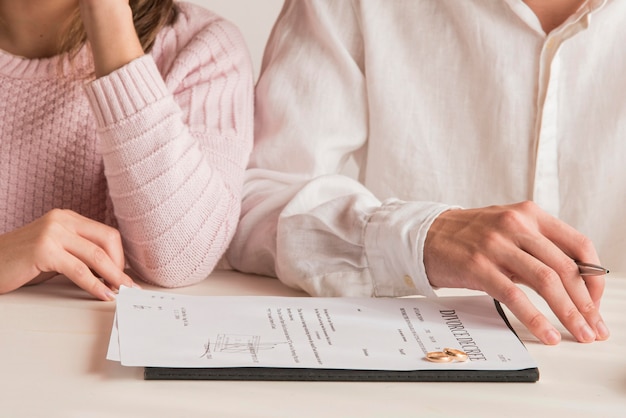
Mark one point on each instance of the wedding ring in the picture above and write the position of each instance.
(438, 357)
(457, 355)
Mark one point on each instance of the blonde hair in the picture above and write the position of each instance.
(149, 16)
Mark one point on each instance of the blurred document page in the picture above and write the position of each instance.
(158, 329)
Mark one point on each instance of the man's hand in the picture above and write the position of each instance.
(492, 249)
(66, 243)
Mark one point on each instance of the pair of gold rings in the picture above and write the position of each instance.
(448, 355)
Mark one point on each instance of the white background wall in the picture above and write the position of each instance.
(254, 18)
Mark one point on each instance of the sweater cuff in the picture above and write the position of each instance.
(125, 91)
(394, 244)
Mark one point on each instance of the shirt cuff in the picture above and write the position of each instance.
(394, 246)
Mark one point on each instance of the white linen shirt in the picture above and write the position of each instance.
(440, 103)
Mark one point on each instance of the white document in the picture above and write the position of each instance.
(158, 329)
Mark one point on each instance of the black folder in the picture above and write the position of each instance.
(340, 375)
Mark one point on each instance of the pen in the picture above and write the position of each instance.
(587, 269)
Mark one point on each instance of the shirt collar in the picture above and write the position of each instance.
(581, 18)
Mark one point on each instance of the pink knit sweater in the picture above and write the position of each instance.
(157, 148)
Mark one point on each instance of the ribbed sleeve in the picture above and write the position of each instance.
(174, 133)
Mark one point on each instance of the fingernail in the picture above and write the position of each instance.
(110, 295)
(588, 334)
(552, 337)
(136, 286)
(603, 331)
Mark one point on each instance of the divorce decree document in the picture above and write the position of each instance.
(160, 329)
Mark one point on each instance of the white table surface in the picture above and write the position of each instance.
(53, 342)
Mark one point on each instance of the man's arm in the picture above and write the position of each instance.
(302, 221)
(328, 235)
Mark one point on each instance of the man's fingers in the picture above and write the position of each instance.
(504, 290)
(555, 276)
(576, 246)
(578, 290)
(570, 241)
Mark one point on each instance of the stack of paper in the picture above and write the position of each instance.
(300, 338)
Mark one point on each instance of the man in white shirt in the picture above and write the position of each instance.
(486, 134)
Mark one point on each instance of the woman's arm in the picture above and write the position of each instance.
(111, 33)
(175, 132)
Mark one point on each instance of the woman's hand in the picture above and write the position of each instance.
(111, 33)
(66, 243)
(492, 249)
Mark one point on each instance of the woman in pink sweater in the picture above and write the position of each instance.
(123, 117)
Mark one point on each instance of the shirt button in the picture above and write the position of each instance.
(408, 281)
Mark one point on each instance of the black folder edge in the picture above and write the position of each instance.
(345, 375)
